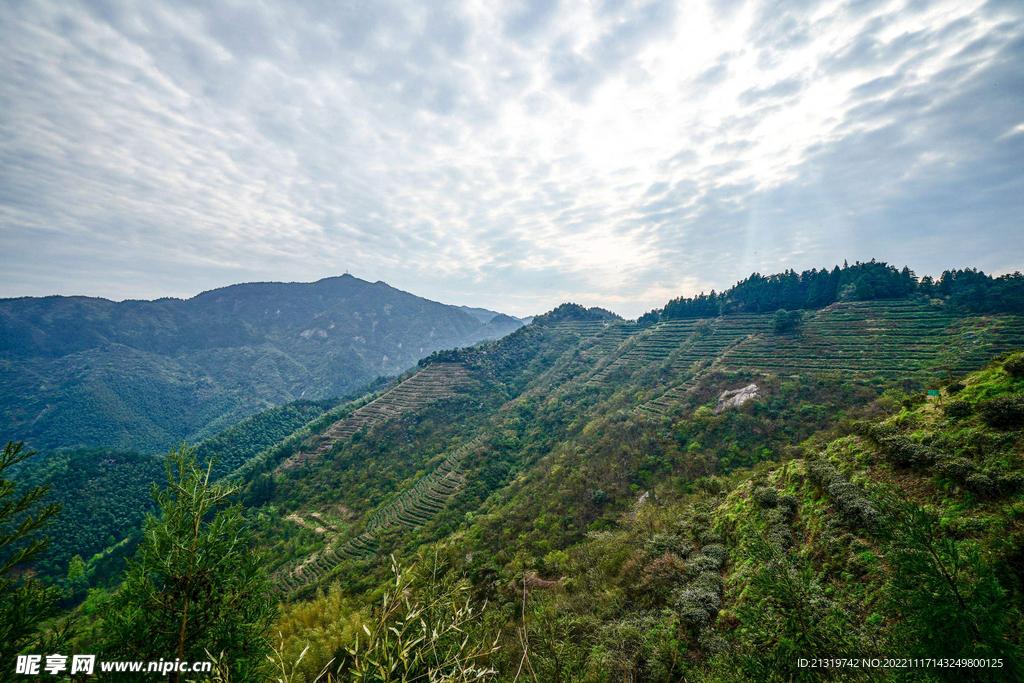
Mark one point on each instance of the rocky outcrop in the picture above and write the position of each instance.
(736, 397)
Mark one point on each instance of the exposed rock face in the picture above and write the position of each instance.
(736, 397)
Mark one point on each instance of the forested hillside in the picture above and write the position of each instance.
(668, 501)
(965, 291)
(686, 498)
(106, 494)
(141, 375)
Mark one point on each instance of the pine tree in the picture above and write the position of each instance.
(25, 604)
(195, 588)
(946, 597)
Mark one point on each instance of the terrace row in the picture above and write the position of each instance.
(413, 508)
(434, 382)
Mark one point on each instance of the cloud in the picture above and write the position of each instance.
(516, 156)
(787, 87)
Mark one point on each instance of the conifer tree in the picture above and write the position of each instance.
(946, 597)
(25, 604)
(195, 588)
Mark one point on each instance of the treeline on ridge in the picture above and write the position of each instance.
(968, 290)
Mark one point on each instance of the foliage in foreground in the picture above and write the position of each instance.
(26, 604)
(195, 587)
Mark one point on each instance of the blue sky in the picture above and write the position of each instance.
(506, 155)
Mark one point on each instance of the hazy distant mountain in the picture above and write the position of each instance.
(481, 314)
(140, 375)
(497, 327)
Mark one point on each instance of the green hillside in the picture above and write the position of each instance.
(142, 375)
(703, 498)
(106, 493)
(597, 464)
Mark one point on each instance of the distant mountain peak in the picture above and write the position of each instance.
(145, 374)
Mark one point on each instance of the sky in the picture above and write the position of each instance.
(502, 154)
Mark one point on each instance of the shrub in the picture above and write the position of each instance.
(785, 321)
(790, 502)
(703, 563)
(716, 552)
(855, 510)
(710, 580)
(712, 485)
(1010, 482)
(981, 484)
(957, 410)
(659, 544)
(1015, 365)
(709, 537)
(698, 606)
(766, 497)
(957, 469)
(1003, 412)
(955, 388)
(898, 449)
(780, 534)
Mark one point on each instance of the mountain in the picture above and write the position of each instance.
(481, 314)
(706, 494)
(668, 500)
(497, 327)
(141, 375)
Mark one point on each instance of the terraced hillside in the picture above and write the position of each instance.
(860, 339)
(412, 508)
(868, 338)
(436, 381)
(598, 339)
(608, 339)
(426, 498)
(686, 342)
(651, 346)
(855, 340)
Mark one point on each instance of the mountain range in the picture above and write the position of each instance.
(142, 375)
(820, 464)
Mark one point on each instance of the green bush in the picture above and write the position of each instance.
(1015, 365)
(790, 502)
(709, 537)
(957, 469)
(698, 606)
(716, 552)
(955, 388)
(704, 563)
(766, 497)
(982, 484)
(855, 510)
(957, 410)
(659, 544)
(786, 321)
(1003, 412)
(900, 450)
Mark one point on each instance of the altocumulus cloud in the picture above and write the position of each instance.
(511, 155)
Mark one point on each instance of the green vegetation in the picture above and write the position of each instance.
(142, 375)
(25, 603)
(588, 500)
(418, 634)
(194, 588)
(106, 494)
(436, 381)
(699, 543)
(967, 291)
(786, 321)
